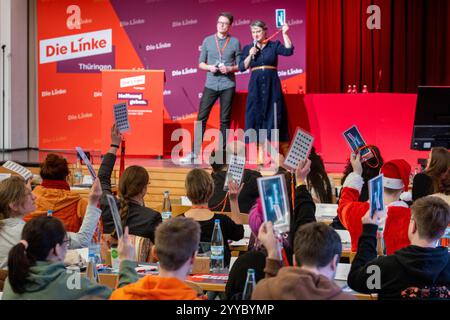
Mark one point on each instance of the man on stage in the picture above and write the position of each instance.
(220, 57)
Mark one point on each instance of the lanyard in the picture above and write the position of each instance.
(270, 38)
(218, 46)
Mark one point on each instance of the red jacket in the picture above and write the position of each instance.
(350, 212)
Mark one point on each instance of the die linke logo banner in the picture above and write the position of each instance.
(75, 46)
(132, 81)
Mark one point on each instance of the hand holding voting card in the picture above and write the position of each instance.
(299, 150)
(356, 141)
(115, 214)
(376, 199)
(235, 170)
(17, 168)
(280, 17)
(121, 117)
(87, 162)
(275, 202)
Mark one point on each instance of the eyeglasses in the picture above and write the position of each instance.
(223, 23)
(67, 242)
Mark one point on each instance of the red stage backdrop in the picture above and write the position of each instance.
(78, 39)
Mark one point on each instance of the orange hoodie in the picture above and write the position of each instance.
(66, 205)
(155, 288)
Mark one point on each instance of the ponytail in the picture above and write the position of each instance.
(123, 210)
(19, 264)
(40, 235)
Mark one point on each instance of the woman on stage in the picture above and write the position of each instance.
(264, 89)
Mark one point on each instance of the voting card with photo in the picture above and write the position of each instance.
(280, 17)
(235, 170)
(356, 141)
(115, 214)
(275, 201)
(299, 150)
(376, 192)
(121, 117)
(17, 168)
(87, 162)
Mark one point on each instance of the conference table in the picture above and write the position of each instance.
(213, 282)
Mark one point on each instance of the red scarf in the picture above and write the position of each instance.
(55, 184)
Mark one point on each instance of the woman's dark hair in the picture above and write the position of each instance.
(42, 235)
(54, 168)
(318, 180)
(438, 168)
(370, 170)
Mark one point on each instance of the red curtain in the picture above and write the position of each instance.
(412, 47)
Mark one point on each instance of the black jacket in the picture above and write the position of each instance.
(141, 221)
(411, 266)
(422, 186)
(247, 197)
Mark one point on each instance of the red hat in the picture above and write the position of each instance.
(396, 174)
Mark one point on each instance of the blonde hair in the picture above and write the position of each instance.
(199, 186)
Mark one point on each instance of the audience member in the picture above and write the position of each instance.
(142, 221)
(317, 250)
(415, 268)
(304, 212)
(436, 175)
(176, 245)
(54, 194)
(395, 223)
(319, 184)
(219, 201)
(371, 168)
(36, 269)
(17, 200)
(199, 189)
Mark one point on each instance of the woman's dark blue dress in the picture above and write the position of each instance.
(264, 90)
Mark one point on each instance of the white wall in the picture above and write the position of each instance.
(14, 34)
(32, 75)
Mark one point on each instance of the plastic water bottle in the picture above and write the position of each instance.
(78, 173)
(95, 252)
(250, 284)
(381, 248)
(349, 90)
(354, 90)
(217, 249)
(49, 213)
(114, 257)
(365, 90)
(167, 207)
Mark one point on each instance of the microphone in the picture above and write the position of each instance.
(254, 46)
(3, 47)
